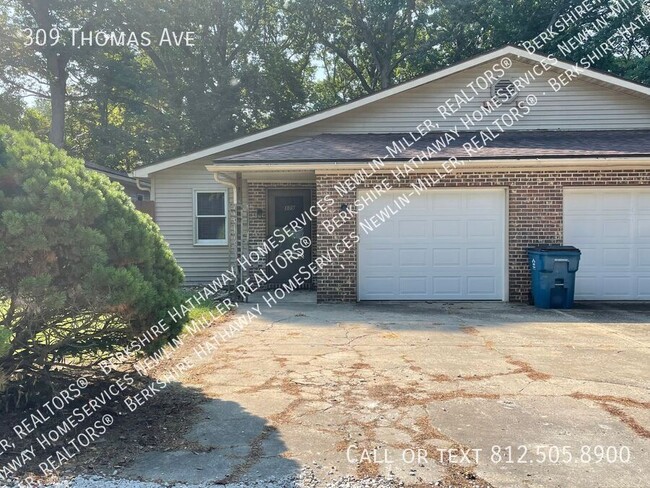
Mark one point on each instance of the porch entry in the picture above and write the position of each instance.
(284, 206)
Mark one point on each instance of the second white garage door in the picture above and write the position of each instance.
(611, 226)
(446, 244)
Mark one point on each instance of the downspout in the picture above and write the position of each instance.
(228, 181)
(139, 184)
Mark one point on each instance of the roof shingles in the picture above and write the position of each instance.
(513, 144)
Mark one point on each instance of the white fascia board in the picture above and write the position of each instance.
(343, 166)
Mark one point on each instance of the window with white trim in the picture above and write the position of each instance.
(210, 222)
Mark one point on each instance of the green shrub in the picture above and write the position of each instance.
(81, 271)
(4, 347)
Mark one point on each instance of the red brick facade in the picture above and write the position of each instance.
(534, 207)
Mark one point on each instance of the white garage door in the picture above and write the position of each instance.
(612, 229)
(446, 244)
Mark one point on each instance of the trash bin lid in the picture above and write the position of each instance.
(552, 248)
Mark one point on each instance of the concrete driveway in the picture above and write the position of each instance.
(486, 394)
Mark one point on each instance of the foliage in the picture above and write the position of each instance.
(81, 271)
(43, 69)
(17, 115)
(363, 43)
(132, 104)
(257, 63)
(242, 74)
(5, 337)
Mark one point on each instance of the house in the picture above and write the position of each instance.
(429, 190)
(137, 189)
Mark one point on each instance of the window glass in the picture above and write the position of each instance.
(210, 204)
(211, 228)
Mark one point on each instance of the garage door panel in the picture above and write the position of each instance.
(481, 257)
(412, 229)
(447, 285)
(378, 284)
(619, 201)
(643, 257)
(590, 257)
(413, 285)
(643, 287)
(446, 257)
(447, 229)
(481, 285)
(482, 228)
(643, 228)
(416, 206)
(580, 202)
(387, 230)
(617, 287)
(379, 257)
(611, 226)
(450, 202)
(585, 228)
(481, 202)
(616, 229)
(413, 257)
(462, 255)
(617, 257)
(588, 286)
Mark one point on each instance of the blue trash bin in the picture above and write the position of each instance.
(553, 275)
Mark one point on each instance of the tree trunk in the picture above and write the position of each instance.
(384, 76)
(57, 75)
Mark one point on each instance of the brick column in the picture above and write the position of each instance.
(337, 282)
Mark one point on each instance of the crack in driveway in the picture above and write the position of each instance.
(379, 378)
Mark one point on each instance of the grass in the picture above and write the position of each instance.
(201, 310)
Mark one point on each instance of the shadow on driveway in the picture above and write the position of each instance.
(231, 446)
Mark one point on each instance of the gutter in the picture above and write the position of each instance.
(586, 162)
(226, 181)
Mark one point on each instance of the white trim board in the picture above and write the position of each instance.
(512, 164)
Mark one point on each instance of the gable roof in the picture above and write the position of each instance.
(522, 54)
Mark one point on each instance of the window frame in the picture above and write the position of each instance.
(196, 217)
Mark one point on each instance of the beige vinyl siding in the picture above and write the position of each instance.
(174, 190)
(581, 105)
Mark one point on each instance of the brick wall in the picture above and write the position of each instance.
(256, 229)
(534, 217)
(337, 281)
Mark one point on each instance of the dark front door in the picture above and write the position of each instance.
(284, 207)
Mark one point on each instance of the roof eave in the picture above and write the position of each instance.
(632, 161)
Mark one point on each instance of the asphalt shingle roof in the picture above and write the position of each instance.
(513, 144)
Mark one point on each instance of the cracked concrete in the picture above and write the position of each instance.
(304, 382)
